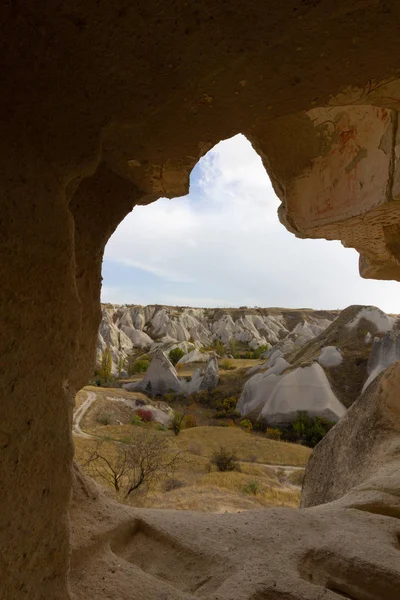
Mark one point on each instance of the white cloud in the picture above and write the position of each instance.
(226, 241)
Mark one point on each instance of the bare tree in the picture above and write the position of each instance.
(137, 463)
(112, 469)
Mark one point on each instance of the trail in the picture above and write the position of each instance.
(79, 413)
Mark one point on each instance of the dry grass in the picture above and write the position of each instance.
(206, 490)
(247, 447)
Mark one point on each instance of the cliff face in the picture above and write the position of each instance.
(125, 329)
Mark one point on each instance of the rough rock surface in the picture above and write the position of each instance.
(106, 105)
(127, 328)
(330, 357)
(211, 375)
(160, 378)
(303, 389)
(342, 350)
(195, 356)
(385, 351)
(358, 463)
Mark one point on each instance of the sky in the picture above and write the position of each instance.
(222, 245)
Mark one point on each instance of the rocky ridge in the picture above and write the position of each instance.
(326, 374)
(124, 329)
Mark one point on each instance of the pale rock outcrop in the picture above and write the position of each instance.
(385, 351)
(152, 327)
(303, 389)
(160, 378)
(357, 464)
(211, 375)
(382, 322)
(259, 388)
(330, 357)
(195, 356)
(277, 396)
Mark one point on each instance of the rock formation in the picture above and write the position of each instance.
(362, 452)
(108, 105)
(195, 356)
(385, 351)
(333, 362)
(160, 378)
(124, 329)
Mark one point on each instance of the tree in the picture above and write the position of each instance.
(121, 365)
(225, 460)
(106, 364)
(134, 464)
(175, 355)
(178, 422)
(219, 348)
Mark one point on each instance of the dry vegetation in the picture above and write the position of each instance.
(193, 484)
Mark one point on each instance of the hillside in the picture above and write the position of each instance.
(136, 329)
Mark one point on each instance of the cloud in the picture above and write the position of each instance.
(224, 241)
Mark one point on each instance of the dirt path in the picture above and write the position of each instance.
(79, 413)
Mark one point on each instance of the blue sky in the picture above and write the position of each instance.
(222, 245)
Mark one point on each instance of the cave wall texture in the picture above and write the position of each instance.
(108, 104)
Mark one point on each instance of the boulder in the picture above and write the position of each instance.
(357, 464)
(330, 356)
(161, 377)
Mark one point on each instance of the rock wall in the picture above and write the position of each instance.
(105, 105)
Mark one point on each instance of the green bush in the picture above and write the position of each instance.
(307, 430)
(225, 460)
(246, 424)
(177, 422)
(136, 420)
(175, 355)
(219, 348)
(161, 427)
(104, 419)
(260, 350)
(273, 433)
(252, 488)
(139, 366)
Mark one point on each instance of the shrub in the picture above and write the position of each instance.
(136, 420)
(145, 414)
(260, 425)
(106, 364)
(161, 427)
(104, 419)
(139, 366)
(246, 424)
(173, 484)
(177, 422)
(175, 355)
(190, 421)
(219, 348)
(225, 460)
(227, 364)
(273, 433)
(253, 487)
(307, 430)
(260, 350)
